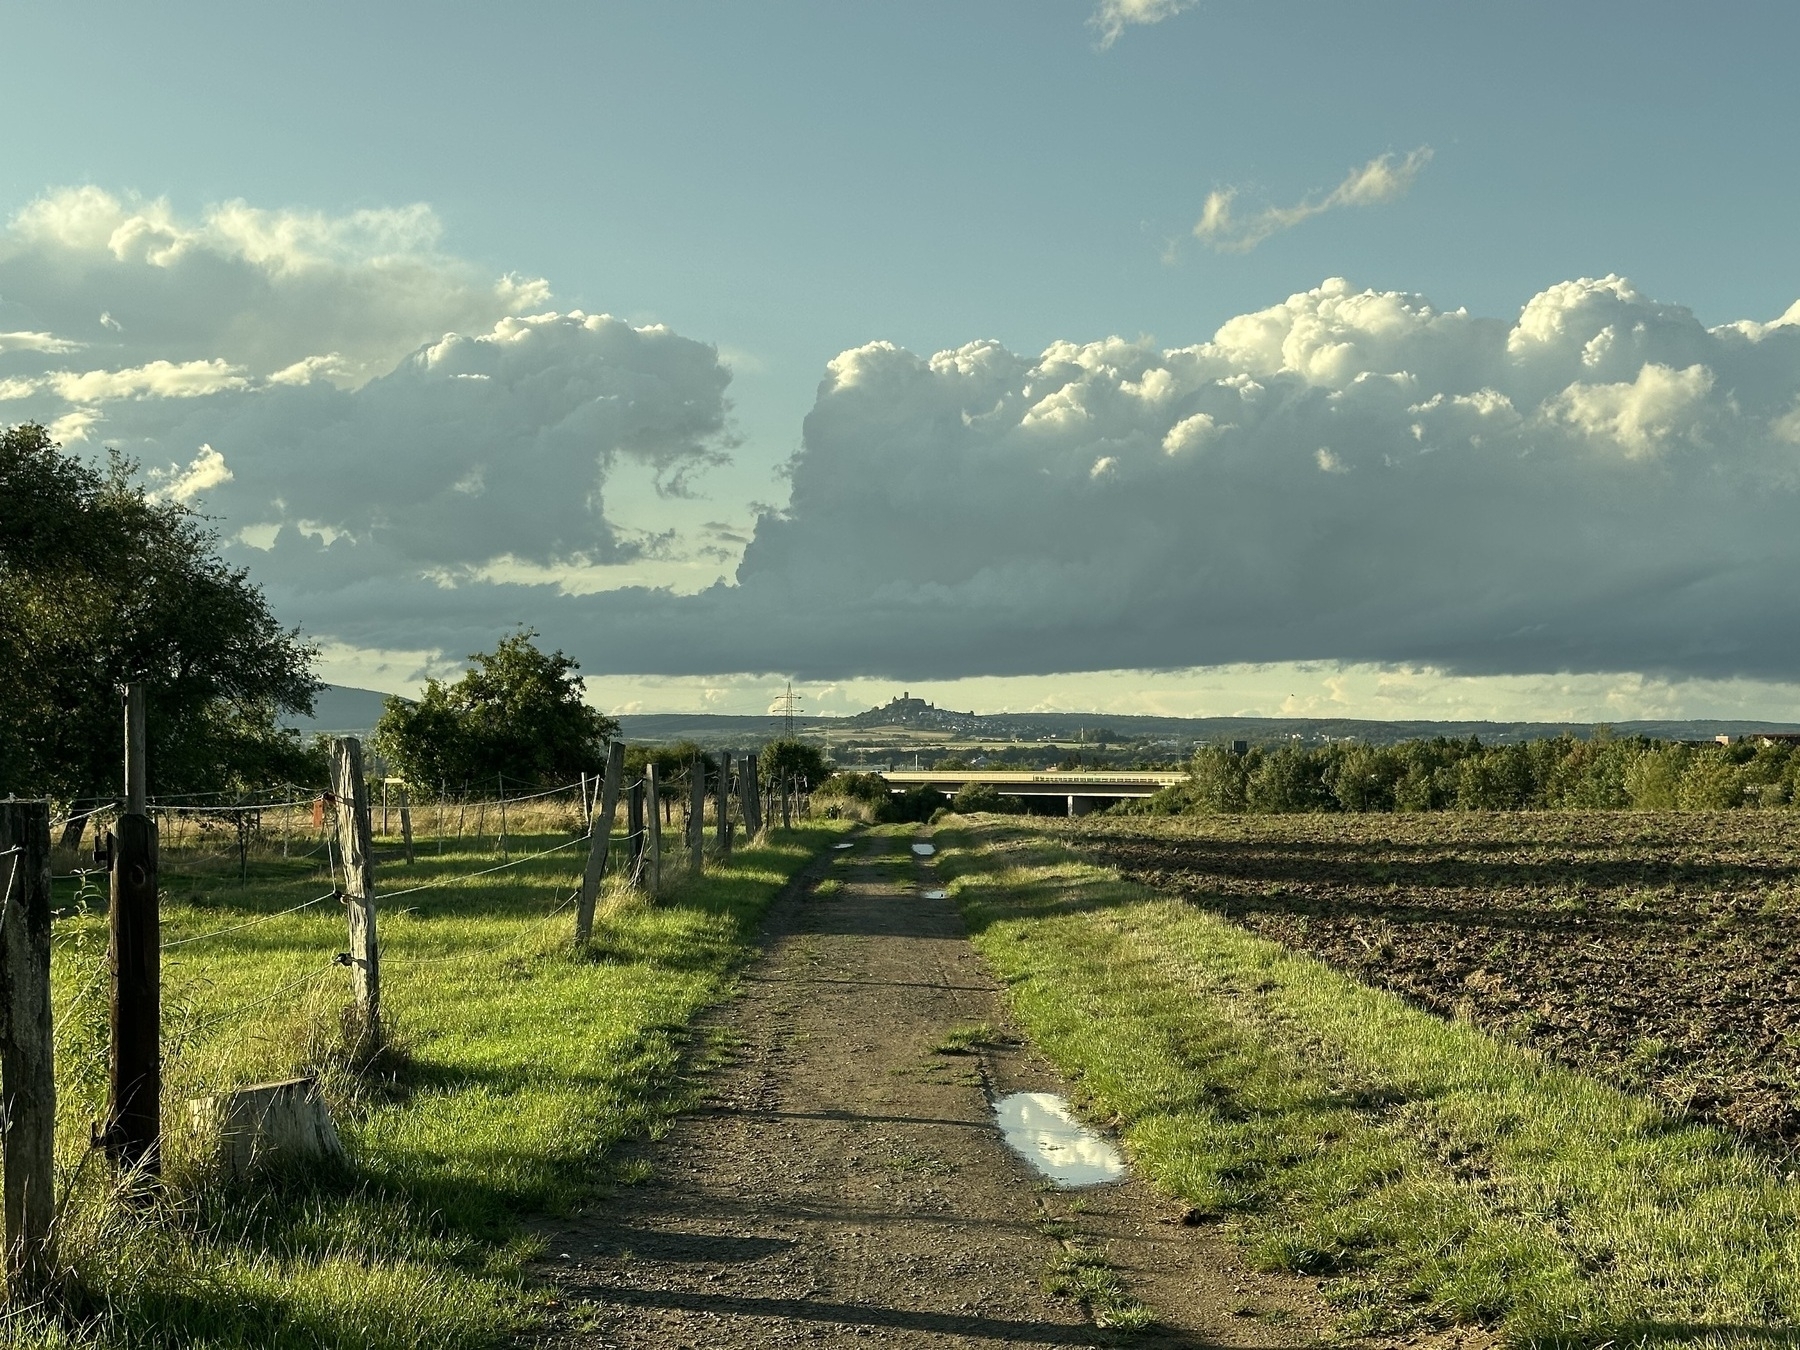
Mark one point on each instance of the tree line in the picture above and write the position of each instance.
(1443, 774)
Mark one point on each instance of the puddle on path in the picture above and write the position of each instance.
(843, 845)
(937, 895)
(924, 850)
(1040, 1128)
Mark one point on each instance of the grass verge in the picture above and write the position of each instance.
(1426, 1172)
(517, 1064)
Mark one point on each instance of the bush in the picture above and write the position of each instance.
(973, 797)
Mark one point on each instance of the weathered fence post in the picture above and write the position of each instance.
(653, 822)
(28, 1097)
(724, 803)
(354, 844)
(406, 820)
(696, 818)
(634, 826)
(504, 855)
(787, 810)
(133, 1127)
(599, 839)
(747, 802)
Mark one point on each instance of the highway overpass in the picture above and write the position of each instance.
(1085, 789)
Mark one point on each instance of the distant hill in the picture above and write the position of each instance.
(731, 731)
(341, 708)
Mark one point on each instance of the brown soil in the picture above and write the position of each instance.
(1657, 950)
(844, 1184)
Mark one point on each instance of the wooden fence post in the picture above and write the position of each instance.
(634, 828)
(653, 823)
(28, 1097)
(696, 818)
(724, 804)
(133, 1127)
(504, 855)
(406, 821)
(599, 840)
(747, 802)
(354, 844)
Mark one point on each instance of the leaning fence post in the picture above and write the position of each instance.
(724, 803)
(599, 840)
(134, 1106)
(406, 820)
(364, 956)
(653, 823)
(28, 1098)
(696, 818)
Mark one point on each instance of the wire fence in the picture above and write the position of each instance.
(261, 989)
(288, 833)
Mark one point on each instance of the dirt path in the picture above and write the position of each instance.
(845, 1184)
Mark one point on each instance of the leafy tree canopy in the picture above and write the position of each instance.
(101, 583)
(517, 714)
(799, 761)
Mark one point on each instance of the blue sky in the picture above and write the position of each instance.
(784, 183)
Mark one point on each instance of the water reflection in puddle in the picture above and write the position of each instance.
(937, 895)
(924, 850)
(1040, 1128)
(843, 845)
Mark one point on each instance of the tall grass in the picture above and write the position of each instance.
(515, 1065)
(1427, 1172)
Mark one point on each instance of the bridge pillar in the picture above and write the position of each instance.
(1081, 806)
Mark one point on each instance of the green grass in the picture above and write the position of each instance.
(1426, 1172)
(518, 1064)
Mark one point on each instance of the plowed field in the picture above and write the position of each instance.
(1661, 951)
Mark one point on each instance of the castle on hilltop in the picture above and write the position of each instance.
(907, 711)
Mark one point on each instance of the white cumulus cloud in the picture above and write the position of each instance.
(207, 469)
(1349, 475)
(134, 281)
(396, 440)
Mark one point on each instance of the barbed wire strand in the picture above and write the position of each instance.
(251, 923)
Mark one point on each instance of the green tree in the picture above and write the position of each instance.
(1711, 782)
(1500, 779)
(1289, 779)
(101, 583)
(802, 762)
(516, 712)
(1219, 778)
(1652, 777)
